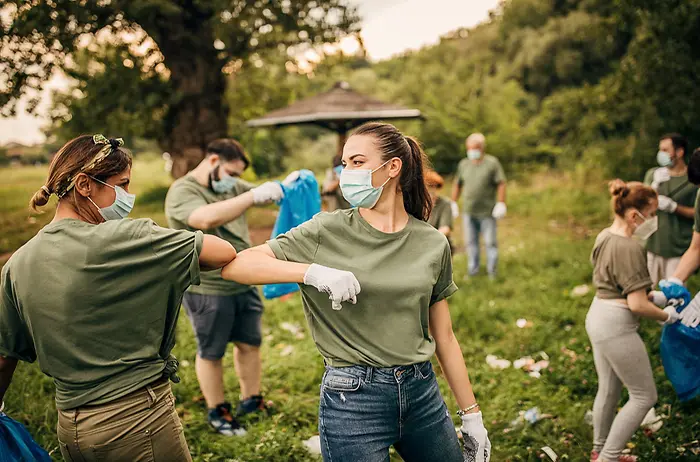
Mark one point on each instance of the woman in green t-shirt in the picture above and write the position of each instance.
(95, 299)
(622, 281)
(379, 388)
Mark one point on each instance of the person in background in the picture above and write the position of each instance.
(622, 282)
(95, 298)
(676, 200)
(441, 215)
(482, 183)
(331, 187)
(378, 390)
(213, 198)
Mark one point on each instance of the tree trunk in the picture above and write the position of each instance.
(198, 113)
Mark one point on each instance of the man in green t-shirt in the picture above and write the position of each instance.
(214, 199)
(676, 200)
(482, 184)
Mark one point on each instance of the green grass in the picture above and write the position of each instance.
(545, 245)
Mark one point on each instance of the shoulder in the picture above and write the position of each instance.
(442, 201)
(429, 236)
(128, 228)
(463, 163)
(337, 218)
(184, 185)
(649, 175)
(492, 160)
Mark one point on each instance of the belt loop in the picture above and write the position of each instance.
(416, 371)
(151, 396)
(368, 374)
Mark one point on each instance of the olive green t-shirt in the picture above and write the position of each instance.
(441, 214)
(401, 276)
(619, 266)
(675, 232)
(187, 195)
(479, 182)
(97, 305)
(696, 226)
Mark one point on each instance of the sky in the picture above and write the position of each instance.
(389, 27)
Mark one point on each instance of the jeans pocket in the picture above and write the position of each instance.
(425, 371)
(338, 380)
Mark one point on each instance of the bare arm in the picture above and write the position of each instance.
(216, 253)
(685, 212)
(7, 369)
(219, 213)
(456, 189)
(501, 192)
(449, 355)
(690, 260)
(446, 230)
(258, 265)
(640, 305)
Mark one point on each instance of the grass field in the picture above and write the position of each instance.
(545, 244)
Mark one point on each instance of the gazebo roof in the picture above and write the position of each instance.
(339, 109)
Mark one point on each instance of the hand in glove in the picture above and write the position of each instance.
(477, 447)
(673, 288)
(341, 286)
(267, 192)
(673, 315)
(291, 178)
(661, 175)
(666, 204)
(455, 209)
(690, 316)
(499, 211)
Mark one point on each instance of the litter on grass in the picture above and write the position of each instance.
(523, 323)
(497, 363)
(313, 444)
(294, 329)
(652, 423)
(580, 291)
(550, 453)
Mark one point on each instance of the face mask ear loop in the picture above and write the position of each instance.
(98, 209)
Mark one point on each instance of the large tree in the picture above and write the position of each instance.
(191, 44)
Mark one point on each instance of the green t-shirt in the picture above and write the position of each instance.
(97, 305)
(187, 195)
(401, 276)
(441, 214)
(696, 227)
(675, 232)
(479, 182)
(619, 266)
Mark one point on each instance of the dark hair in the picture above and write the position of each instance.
(72, 160)
(694, 167)
(392, 143)
(632, 195)
(679, 141)
(228, 149)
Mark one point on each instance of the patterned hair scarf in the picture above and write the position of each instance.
(110, 145)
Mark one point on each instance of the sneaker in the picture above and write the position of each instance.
(254, 404)
(223, 422)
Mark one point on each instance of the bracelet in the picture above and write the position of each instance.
(466, 410)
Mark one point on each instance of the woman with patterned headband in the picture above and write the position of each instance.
(95, 297)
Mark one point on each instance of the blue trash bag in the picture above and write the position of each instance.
(17, 445)
(680, 350)
(301, 202)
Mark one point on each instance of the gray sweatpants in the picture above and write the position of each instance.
(620, 359)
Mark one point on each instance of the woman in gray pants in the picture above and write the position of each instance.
(622, 280)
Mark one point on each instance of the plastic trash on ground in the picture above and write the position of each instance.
(580, 291)
(313, 444)
(497, 363)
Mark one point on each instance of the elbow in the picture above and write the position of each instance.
(201, 223)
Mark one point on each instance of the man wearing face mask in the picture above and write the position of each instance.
(482, 183)
(676, 200)
(213, 198)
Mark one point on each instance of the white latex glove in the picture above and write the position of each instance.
(661, 175)
(267, 192)
(341, 286)
(673, 315)
(477, 446)
(455, 209)
(658, 298)
(291, 178)
(667, 204)
(499, 211)
(690, 316)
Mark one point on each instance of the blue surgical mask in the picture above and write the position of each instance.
(474, 154)
(664, 159)
(224, 184)
(357, 189)
(122, 206)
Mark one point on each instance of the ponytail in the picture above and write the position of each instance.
(416, 198)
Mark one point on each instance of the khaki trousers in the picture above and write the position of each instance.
(660, 267)
(140, 427)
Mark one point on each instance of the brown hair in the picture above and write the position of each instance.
(71, 159)
(392, 143)
(433, 178)
(228, 149)
(632, 195)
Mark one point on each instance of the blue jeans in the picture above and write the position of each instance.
(472, 228)
(365, 410)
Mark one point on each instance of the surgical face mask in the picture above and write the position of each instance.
(647, 228)
(357, 189)
(122, 206)
(224, 184)
(338, 170)
(664, 159)
(474, 154)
